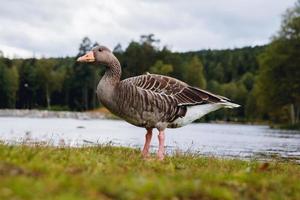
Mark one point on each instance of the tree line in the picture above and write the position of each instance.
(265, 80)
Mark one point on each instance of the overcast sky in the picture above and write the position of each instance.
(56, 27)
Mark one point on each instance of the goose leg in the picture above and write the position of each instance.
(161, 147)
(146, 148)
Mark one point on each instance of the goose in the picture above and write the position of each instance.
(151, 101)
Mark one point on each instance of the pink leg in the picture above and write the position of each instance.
(161, 147)
(146, 148)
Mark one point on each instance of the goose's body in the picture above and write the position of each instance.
(150, 100)
(156, 101)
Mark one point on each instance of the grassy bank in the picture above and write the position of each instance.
(120, 173)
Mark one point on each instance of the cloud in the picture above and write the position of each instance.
(55, 28)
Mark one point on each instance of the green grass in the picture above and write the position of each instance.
(107, 172)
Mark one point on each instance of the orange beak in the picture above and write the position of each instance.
(88, 57)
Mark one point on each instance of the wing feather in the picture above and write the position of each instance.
(182, 93)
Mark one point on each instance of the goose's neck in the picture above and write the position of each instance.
(113, 72)
(106, 87)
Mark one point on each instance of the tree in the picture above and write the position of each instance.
(118, 49)
(84, 80)
(28, 85)
(248, 80)
(214, 86)
(84, 46)
(161, 68)
(194, 74)
(12, 82)
(48, 78)
(138, 58)
(149, 39)
(9, 81)
(219, 73)
(278, 85)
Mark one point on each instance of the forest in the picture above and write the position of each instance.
(265, 80)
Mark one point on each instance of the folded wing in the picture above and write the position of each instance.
(182, 93)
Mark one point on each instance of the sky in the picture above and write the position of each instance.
(54, 28)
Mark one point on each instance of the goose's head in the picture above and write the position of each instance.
(99, 54)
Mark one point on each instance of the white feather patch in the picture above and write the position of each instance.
(195, 112)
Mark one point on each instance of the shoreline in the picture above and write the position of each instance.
(34, 113)
(103, 113)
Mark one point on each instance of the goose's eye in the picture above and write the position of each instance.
(100, 50)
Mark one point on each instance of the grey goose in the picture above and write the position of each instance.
(151, 100)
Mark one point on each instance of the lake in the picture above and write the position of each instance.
(221, 140)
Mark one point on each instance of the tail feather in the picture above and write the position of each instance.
(230, 105)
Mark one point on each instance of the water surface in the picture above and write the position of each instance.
(225, 140)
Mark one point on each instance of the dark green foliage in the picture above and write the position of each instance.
(8, 83)
(193, 73)
(28, 87)
(49, 78)
(83, 81)
(161, 68)
(278, 86)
